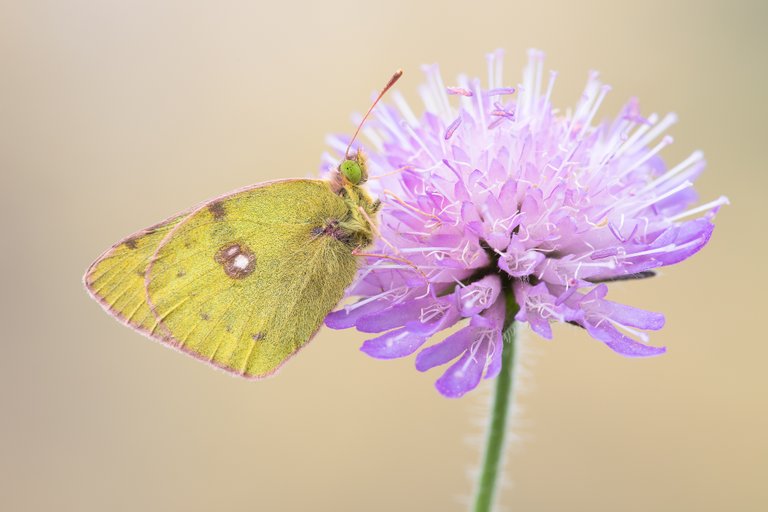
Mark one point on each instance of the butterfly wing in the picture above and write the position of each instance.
(116, 279)
(245, 281)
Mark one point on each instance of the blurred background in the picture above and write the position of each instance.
(114, 115)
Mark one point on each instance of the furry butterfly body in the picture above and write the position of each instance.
(245, 280)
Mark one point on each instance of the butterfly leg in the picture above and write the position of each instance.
(415, 267)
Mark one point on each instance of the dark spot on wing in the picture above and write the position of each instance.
(258, 336)
(217, 210)
(229, 328)
(180, 273)
(237, 260)
(205, 316)
(131, 243)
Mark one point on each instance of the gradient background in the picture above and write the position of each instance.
(115, 114)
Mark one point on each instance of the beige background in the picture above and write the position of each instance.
(115, 114)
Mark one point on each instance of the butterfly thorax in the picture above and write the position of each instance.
(356, 228)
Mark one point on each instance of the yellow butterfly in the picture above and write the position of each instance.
(245, 280)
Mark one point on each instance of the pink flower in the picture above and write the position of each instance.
(491, 191)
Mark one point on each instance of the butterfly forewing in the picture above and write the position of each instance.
(246, 280)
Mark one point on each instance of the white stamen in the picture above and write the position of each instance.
(442, 94)
(526, 88)
(666, 248)
(491, 58)
(404, 108)
(477, 90)
(336, 143)
(657, 130)
(708, 206)
(550, 86)
(499, 69)
(586, 100)
(391, 125)
(537, 77)
(642, 206)
(413, 134)
(652, 119)
(641, 335)
(603, 91)
(666, 141)
(544, 308)
(695, 157)
(374, 137)
(429, 313)
(478, 296)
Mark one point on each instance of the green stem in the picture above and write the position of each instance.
(497, 429)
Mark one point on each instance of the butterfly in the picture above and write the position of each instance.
(244, 281)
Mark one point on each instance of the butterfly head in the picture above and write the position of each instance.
(353, 169)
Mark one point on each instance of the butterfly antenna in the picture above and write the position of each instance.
(387, 87)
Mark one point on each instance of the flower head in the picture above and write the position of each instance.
(493, 191)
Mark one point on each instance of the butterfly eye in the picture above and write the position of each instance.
(352, 171)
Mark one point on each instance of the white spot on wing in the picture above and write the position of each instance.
(241, 262)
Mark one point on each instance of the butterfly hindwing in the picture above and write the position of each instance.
(245, 281)
(117, 281)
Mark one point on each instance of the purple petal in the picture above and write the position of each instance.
(622, 344)
(493, 317)
(447, 350)
(437, 317)
(460, 191)
(631, 317)
(519, 264)
(463, 375)
(478, 296)
(394, 344)
(533, 316)
(507, 193)
(471, 219)
(494, 357)
(399, 315)
(539, 324)
(347, 317)
(597, 293)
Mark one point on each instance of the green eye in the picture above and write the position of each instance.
(351, 171)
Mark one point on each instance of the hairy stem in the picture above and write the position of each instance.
(497, 428)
